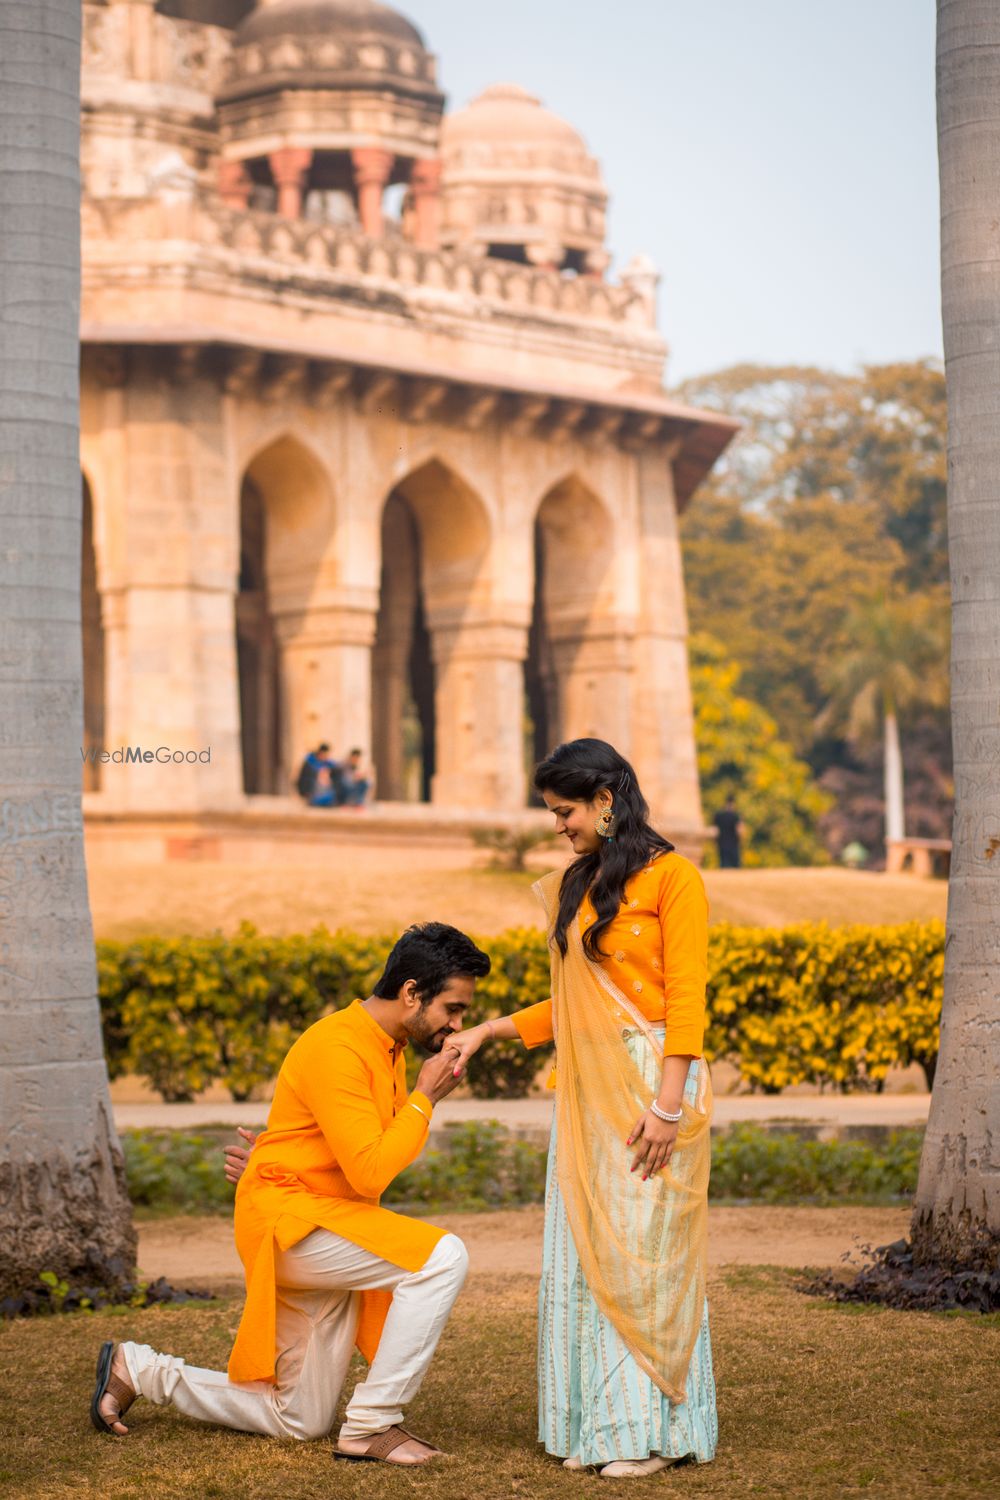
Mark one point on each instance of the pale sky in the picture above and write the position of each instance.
(777, 159)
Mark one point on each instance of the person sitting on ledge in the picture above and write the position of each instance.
(356, 785)
(320, 779)
(326, 1266)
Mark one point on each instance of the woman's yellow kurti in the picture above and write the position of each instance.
(340, 1128)
(655, 951)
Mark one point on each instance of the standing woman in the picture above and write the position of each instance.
(624, 1356)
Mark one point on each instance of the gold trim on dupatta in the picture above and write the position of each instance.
(642, 1245)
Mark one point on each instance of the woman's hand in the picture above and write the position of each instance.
(654, 1140)
(462, 1045)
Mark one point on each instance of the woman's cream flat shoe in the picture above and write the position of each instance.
(633, 1468)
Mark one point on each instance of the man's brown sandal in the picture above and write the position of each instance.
(384, 1443)
(109, 1385)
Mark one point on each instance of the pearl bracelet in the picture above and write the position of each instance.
(662, 1114)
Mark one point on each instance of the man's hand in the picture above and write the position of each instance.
(238, 1156)
(654, 1141)
(437, 1077)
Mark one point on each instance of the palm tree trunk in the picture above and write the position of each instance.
(63, 1205)
(893, 773)
(956, 1216)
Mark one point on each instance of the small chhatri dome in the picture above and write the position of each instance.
(519, 181)
(312, 43)
(508, 118)
(329, 96)
(305, 17)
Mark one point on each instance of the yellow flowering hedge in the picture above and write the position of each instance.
(807, 1003)
(816, 1004)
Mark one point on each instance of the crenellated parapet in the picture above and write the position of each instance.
(179, 255)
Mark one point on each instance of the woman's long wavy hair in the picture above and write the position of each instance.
(577, 771)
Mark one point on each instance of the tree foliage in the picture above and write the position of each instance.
(741, 751)
(896, 661)
(831, 498)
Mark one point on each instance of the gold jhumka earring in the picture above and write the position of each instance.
(605, 825)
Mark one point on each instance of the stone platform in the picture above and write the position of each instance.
(265, 828)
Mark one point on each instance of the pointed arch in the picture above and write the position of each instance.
(455, 530)
(435, 540)
(286, 520)
(573, 535)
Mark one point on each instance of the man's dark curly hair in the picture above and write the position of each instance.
(430, 953)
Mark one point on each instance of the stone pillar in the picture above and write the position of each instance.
(479, 713)
(596, 263)
(425, 185)
(390, 662)
(662, 714)
(168, 591)
(234, 185)
(593, 663)
(290, 168)
(390, 685)
(372, 167)
(545, 255)
(325, 675)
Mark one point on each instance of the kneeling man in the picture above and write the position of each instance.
(326, 1266)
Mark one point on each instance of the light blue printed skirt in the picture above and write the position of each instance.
(594, 1402)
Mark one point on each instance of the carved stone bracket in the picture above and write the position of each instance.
(424, 400)
(242, 371)
(527, 412)
(329, 383)
(604, 425)
(378, 391)
(284, 376)
(476, 408)
(639, 430)
(565, 419)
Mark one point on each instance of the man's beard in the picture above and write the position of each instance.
(427, 1043)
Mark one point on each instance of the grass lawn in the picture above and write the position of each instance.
(375, 888)
(815, 1400)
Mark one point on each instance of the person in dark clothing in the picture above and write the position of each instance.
(730, 827)
(320, 779)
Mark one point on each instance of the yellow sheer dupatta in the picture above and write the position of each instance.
(642, 1245)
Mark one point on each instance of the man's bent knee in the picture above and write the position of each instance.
(303, 1429)
(451, 1253)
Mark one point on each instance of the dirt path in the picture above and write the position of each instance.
(199, 1252)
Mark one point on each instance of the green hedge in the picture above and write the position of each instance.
(801, 1004)
(481, 1166)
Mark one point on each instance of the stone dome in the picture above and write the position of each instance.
(329, 17)
(519, 181)
(504, 123)
(328, 43)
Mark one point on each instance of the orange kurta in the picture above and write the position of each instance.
(656, 951)
(340, 1128)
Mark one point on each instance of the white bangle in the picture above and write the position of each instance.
(419, 1110)
(662, 1114)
